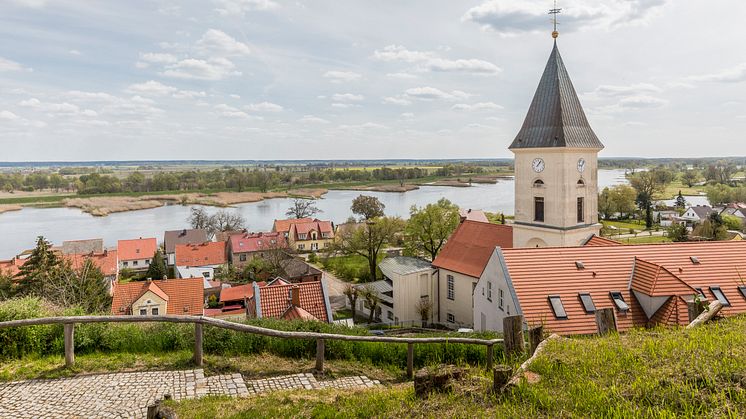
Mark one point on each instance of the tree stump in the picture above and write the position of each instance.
(440, 379)
(535, 336)
(501, 375)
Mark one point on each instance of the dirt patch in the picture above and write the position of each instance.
(386, 188)
(308, 193)
(22, 194)
(454, 183)
(8, 208)
(102, 206)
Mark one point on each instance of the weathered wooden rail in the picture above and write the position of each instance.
(70, 322)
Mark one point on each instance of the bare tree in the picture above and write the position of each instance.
(220, 221)
(199, 218)
(352, 294)
(302, 208)
(372, 298)
(424, 308)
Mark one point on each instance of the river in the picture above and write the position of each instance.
(19, 229)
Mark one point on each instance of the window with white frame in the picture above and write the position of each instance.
(302, 236)
(301, 246)
(143, 311)
(451, 287)
(242, 257)
(154, 311)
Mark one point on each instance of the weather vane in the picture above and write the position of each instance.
(555, 12)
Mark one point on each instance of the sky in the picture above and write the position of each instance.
(353, 79)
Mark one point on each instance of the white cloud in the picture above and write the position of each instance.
(89, 112)
(155, 58)
(10, 65)
(234, 96)
(211, 69)
(642, 102)
(264, 107)
(8, 116)
(397, 100)
(90, 96)
(405, 76)
(188, 94)
(36, 4)
(241, 7)
(731, 75)
(616, 91)
(362, 127)
(74, 52)
(216, 43)
(151, 87)
(347, 97)
(51, 108)
(428, 61)
(476, 106)
(432, 93)
(344, 105)
(512, 17)
(230, 111)
(342, 76)
(310, 119)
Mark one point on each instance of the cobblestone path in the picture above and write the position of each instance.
(127, 395)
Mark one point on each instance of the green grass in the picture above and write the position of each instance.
(660, 373)
(673, 188)
(625, 226)
(350, 268)
(644, 239)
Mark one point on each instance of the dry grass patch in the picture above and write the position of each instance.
(102, 206)
(386, 188)
(8, 208)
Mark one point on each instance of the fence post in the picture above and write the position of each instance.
(490, 356)
(410, 360)
(534, 337)
(606, 321)
(198, 344)
(513, 334)
(69, 344)
(320, 355)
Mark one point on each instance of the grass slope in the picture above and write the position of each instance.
(645, 373)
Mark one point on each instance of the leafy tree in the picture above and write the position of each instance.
(352, 294)
(227, 273)
(368, 240)
(678, 232)
(720, 172)
(690, 177)
(6, 286)
(605, 204)
(85, 287)
(157, 269)
(428, 228)
(302, 208)
(647, 184)
(712, 228)
(38, 270)
(368, 207)
(731, 222)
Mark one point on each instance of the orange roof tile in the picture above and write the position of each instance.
(306, 227)
(255, 242)
(184, 296)
(536, 273)
(107, 261)
(595, 240)
(283, 226)
(471, 245)
(137, 249)
(657, 281)
(236, 293)
(275, 300)
(12, 266)
(297, 313)
(208, 253)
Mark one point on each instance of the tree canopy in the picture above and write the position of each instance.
(368, 207)
(369, 239)
(429, 227)
(302, 208)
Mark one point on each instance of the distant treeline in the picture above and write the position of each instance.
(217, 179)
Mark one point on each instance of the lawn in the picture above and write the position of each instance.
(662, 373)
(673, 188)
(645, 239)
(352, 268)
(624, 226)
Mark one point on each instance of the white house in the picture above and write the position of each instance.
(696, 214)
(412, 281)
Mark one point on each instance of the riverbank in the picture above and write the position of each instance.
(8, 208)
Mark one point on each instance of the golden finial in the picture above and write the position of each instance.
(554, 12)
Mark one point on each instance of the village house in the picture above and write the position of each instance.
(136, 254)
(306, 235)
(384, 310)
(202, 258)
(11, 266)
(82, 247)
(280, 299)
(695, 215)
(562, 288)
(244, 247)
(186, 236)
(158, 297)
(297, 270)
(735, 210)
(473, 215)
(410, 285)
(107, 261)
(460, 264)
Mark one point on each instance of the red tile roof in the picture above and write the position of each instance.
(473, 215)
(283, 226)
(297, 313)
(185, 296)
(238, 292)
(471, 245)
(657, 281)
(137, 249)
(275, 300)
(537, 273)
(12, 266)
(306, 227)
(595, 240)
(107, 261)
(255, 242)
(208, 253)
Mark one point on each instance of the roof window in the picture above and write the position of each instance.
(619, 300)
(694, 259)
(579, 264)
(718, 293)
(742, 288)
(701, 293)
(557, 307)
(587, 301)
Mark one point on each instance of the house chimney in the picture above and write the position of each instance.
(295, 296)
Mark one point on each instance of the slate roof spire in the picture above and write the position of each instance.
(555, 117)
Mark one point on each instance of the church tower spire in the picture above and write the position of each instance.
(556, 164)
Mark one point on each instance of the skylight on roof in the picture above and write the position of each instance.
(694, 259)
(619, 300)
(559, 310)
(718, 293)
(587, 301)
(579, 264)
(701, 293)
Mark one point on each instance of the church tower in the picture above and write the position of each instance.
(556, 165)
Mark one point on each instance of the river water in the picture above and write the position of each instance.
(19, 229)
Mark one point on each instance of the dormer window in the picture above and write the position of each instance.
(302, 236)
(538, 183)
(559, 310)
(718, 293)
(701, 293)
(694, 259)
(579, 264)
(618, 299)
(587, 301)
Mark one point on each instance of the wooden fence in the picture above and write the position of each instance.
(70, 322)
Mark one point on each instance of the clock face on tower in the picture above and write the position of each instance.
(581, 165)
(538, 165)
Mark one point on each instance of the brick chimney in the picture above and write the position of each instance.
(295, 296)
